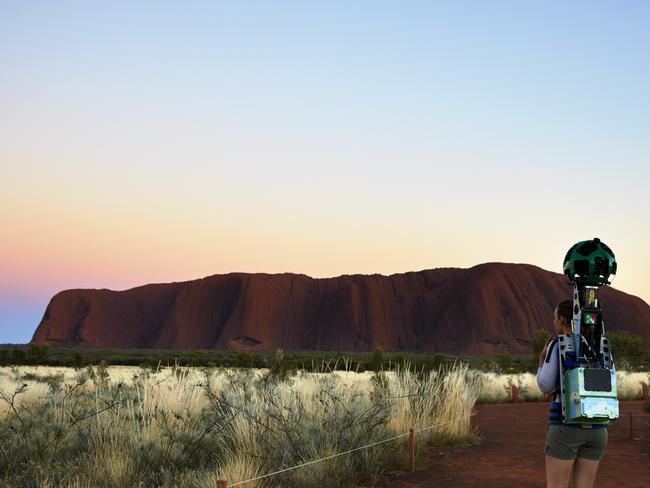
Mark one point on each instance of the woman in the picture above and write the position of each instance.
(572, 450)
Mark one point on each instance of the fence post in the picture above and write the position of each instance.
(631, 427)
(515, 394)
(412, 450)
(222, 484)
(644, 391)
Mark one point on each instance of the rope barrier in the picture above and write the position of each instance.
(349, 451)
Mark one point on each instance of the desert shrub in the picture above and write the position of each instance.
(37, 353)
(539, 341)
(397, 361)
(243, 359)
(504, 360)
(438, 360)
(299, 420)
(18, 356)
(283, 367)
(628, 349)
(378, 358)
(78, 360)
(46, 436)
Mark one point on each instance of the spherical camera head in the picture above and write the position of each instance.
(590, 263)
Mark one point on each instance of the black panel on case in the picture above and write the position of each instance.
(597, 379)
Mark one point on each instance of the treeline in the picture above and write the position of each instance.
(79, 357)
(630, 352)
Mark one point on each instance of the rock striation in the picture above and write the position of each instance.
(492, 307)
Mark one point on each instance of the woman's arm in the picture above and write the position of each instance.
(547, 372)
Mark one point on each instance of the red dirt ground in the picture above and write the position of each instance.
(511, 453)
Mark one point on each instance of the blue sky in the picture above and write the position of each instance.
(165, 141)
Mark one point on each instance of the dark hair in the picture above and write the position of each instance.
(565, 309)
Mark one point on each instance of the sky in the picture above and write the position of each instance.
(150, 142)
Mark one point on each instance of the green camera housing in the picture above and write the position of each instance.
(590, 263)
(590, 396)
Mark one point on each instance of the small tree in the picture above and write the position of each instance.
(279, 367)
(504, 359)
(243, 359)
(377, 359)
(38, 353)
(78, 360)
(539, 341)
(18, 356)
(627, 347)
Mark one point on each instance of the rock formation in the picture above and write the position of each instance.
(489, 308)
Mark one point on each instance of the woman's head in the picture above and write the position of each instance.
(563, 316)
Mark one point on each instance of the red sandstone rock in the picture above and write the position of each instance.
(488, 308)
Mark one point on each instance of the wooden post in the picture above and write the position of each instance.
(412, 449)
(222, 484)
(631, 427)
(644, 391)
(515, 394)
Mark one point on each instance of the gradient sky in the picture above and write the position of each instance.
(167, 141)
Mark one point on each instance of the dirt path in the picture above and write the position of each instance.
(512, 453)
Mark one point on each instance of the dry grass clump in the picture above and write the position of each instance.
(184, 427)
(112, 462)
(460, 389)
(32, 392)
(443, 399)
(497, 388)
(629, 384)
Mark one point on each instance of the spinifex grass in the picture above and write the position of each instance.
(185, 427)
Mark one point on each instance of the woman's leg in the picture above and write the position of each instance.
(584, 473)
(558, 472)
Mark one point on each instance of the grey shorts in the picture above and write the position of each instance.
(568, 443)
